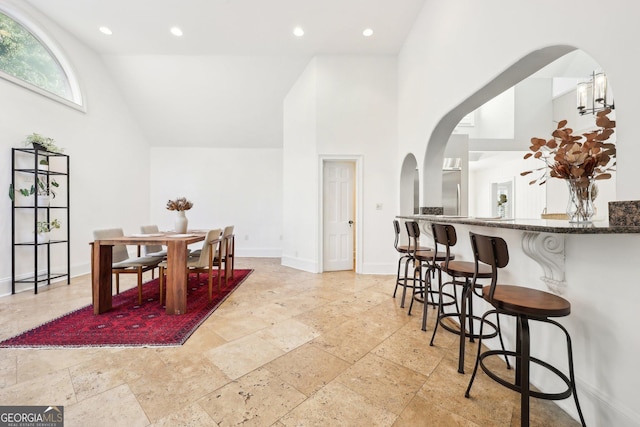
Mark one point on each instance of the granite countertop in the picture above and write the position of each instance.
(535, 225)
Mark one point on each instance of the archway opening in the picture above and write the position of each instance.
(499, 131)
(409, 186)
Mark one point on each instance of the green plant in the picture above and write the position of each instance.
(40, 188)
(502, 199)
(47, 143)
(46, 227)
(46, 190)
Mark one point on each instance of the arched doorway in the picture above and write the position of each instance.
(545, 96)
(409, 186)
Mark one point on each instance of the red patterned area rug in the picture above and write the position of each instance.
(129, 324)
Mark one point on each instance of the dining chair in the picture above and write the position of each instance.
(152, 250)
(208, 258)
(227, 252)
(122, 263)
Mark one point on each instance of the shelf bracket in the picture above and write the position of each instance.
(547, 250)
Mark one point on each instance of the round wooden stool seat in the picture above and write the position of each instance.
(405, 248)
(428, 256)
(466, 269)
(531, 302)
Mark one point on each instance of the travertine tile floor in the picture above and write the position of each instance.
(287, 348)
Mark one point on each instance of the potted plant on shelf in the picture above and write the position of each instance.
(42, 143)
(502, 201)
(40, 188)
(43, 228)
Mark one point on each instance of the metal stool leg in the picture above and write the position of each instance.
(475, 368)
(404, 258)
(424, 306)
(522, 368)
(416, 269)
(404, 288)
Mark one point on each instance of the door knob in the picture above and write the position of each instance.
(350, 223)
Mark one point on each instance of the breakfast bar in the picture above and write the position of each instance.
(592, 265)
(542, 240)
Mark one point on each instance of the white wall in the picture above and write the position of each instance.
(208, 100)
(534, 110)
(240, 187)
(495, 119)
(300, 174)
(341, 106)
(109, 156)
(493, 35)
(356, 116)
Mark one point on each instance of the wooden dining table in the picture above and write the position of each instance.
(176, 284)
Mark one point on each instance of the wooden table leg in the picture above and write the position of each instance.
(101, 277)
(176, 277)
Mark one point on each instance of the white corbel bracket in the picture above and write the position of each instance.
(548, 251)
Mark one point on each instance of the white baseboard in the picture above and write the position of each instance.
(379, 268)
(258, 252)
(300, 264)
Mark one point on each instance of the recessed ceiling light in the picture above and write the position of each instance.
(367, 32)
(106, 30)
(176, 31)
(298, 32)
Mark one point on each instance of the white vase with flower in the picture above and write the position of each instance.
(180, 205)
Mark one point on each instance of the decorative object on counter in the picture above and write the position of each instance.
(43, 228)
(43, 143)
(431, 210)
(180, 204)
(502, 200)
(580, 160)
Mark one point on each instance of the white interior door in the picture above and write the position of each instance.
(338, 215)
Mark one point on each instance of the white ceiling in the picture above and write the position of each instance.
(222, 84)
(236, 27)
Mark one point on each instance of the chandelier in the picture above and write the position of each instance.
(592, 95)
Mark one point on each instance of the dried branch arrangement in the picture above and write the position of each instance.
(179, 204)
(569, 156)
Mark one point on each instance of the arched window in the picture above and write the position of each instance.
(28, 61)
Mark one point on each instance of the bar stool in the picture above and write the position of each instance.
(525, 304)
(422, 259)
(403, 250)
(461, 273)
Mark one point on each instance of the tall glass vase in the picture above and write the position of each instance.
(181, 222)
(580, 206)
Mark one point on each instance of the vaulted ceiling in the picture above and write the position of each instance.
(223, 82)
